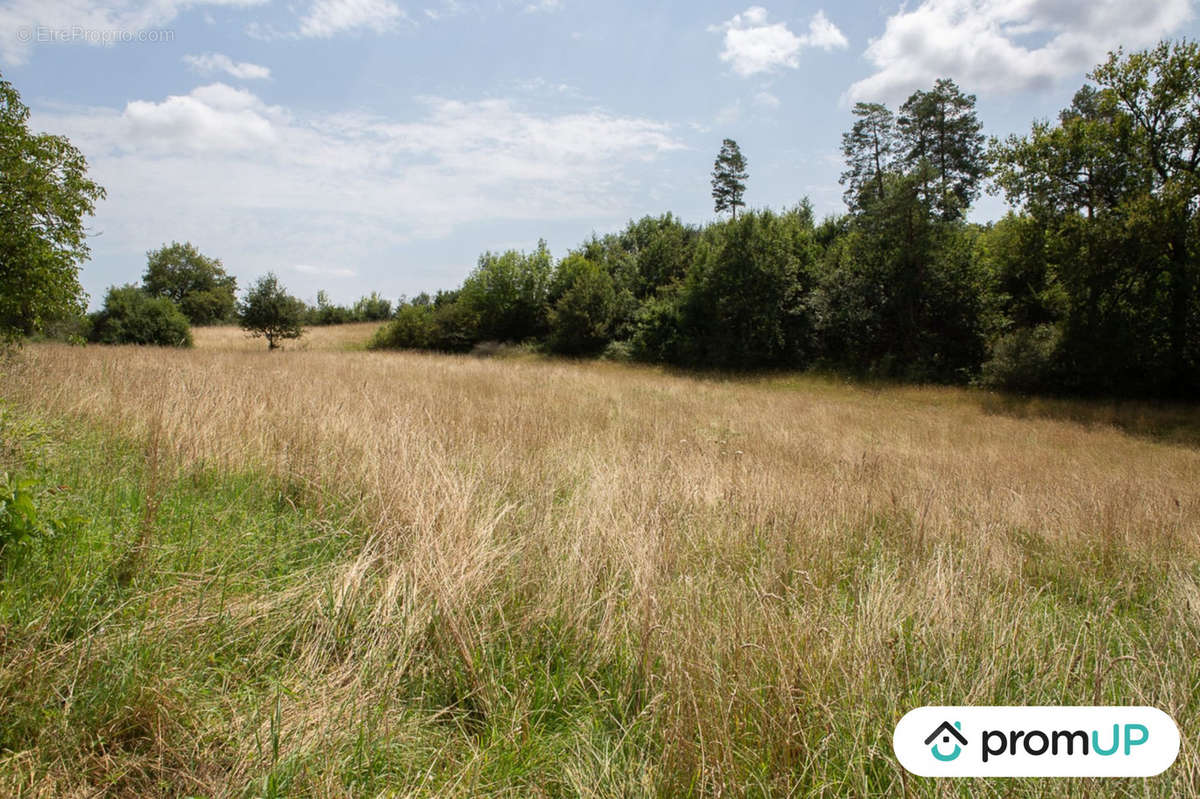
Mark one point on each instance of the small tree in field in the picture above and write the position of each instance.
(270, 312)
(729, 178)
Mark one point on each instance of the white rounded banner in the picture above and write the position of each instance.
(1036, 741)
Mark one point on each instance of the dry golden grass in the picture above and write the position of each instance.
(778, 569)
(321, 338)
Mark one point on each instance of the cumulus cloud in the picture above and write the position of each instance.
(1007, 45)
(285, 190)
(26, 23)
(328, 17)
(212, 118)
(753, 45)
(218, 62)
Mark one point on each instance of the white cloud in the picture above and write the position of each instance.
(752, 45)
(543, 5)
(766, 100)
(327, 17)
(1007, 45)
(218, 62)
(212, 118)
(275, 189)
(24, 23)
(824, 34)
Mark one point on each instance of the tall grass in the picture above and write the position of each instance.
(228, 338)
(577, 579)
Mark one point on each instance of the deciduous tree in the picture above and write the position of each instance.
(45, 196)
(270, 312)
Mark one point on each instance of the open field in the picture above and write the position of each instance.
(322, 338)
(316, 573)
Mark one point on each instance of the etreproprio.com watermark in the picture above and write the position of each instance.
(41, 34)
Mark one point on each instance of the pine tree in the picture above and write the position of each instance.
(729, 178)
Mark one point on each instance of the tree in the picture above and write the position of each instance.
(868, 148)
(1116, 188)
(131, 316)
(940, 140)
(729, 178)
(584, 307)
(372, 309)
(269, 311)
(507, 293)
(196, 283)
(44, 198)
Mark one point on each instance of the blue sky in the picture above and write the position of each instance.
(358, 145)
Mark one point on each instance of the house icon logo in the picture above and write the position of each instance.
(945, 731)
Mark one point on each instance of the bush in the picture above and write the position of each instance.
(1024, 360)
(447, 327)
(130, 316)
(22, 523)
(618, 351)
(413, 328)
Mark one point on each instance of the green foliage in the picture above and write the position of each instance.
(1114, 188)
(23, 520)
(44, 198)
(1025, 360)
(19, 521)
(743, 302)
(447, 327)
(131, 316)
(268, 311)
(508, 294)
(940, 140)
(900, 295)
(372, 309)
(729, 178)
(196, 283)
(869, 149)
(584, 307)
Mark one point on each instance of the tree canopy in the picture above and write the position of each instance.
(45, 196)
(268, 311)
(193, 281)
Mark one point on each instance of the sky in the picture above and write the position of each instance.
(383, 145)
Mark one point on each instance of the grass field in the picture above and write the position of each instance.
(325, 338)
(318, 573)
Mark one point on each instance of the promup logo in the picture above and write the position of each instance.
(1036, 741)
(946, 731)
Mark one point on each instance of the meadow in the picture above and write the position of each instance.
(322, 572)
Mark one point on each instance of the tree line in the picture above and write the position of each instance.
(1089, 285)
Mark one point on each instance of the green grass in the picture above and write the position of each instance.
(134, 660)
(167, 642)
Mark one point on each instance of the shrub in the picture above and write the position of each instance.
(619, 351)
(22, 524)
(448, 327)
(130, 316)
(1024, 360)
(413, 328)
